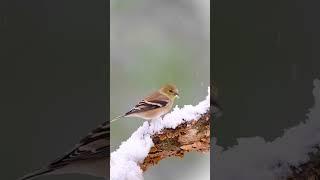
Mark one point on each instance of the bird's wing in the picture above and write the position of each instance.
(154, 101)
(94, 146)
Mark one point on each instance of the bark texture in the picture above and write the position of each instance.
(189, 136)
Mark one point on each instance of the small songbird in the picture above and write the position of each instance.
(155, 105)
(91, 156)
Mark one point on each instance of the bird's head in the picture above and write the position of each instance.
(170, 90)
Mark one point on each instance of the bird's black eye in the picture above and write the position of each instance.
(170, 91)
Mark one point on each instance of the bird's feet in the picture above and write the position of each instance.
(148, 130)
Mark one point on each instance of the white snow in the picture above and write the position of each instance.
(125, 160)
(254, 158)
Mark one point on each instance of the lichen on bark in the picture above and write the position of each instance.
(189, 136)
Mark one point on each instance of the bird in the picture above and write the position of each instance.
(154, 106)
(91, 156)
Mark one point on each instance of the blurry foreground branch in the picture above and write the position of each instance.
(189, 136)
(309, 170)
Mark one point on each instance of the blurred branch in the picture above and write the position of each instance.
(189, 136)
(309, 170)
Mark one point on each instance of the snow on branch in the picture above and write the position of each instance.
(188, 136)
(294, 156)
(183, 130)
(309, 170)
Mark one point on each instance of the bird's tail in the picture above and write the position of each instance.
(116, 118)
(40, 172)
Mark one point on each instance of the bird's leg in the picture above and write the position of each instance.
(149, 124)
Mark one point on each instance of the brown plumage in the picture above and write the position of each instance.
(155, 105)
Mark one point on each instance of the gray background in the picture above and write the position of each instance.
(155, 42)
(266, 55)
(53, 83)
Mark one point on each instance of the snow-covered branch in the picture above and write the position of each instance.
(309, 170)
(183, 130)
(189, 136)
(293, 156)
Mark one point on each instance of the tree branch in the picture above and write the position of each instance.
(182, 130)
(309, 170)
(189, 136)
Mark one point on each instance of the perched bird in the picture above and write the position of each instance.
(90, 156)
(155, 105)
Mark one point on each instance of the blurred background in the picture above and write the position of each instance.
(266, 57)
(152, 43)
(53, 85)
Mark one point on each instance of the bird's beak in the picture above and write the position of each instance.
(177, 95)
